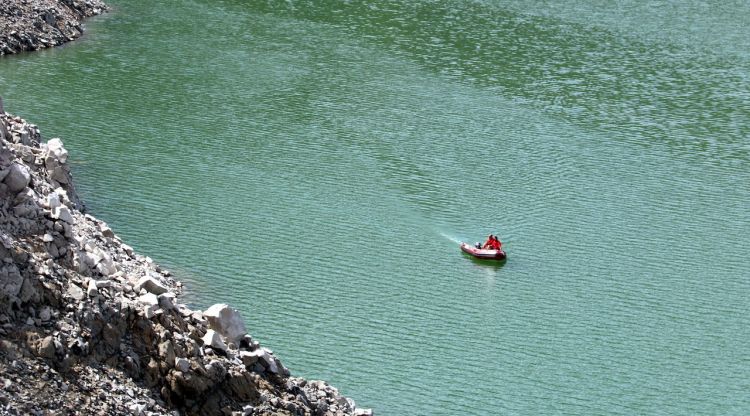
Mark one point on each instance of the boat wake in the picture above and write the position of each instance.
(451, 238)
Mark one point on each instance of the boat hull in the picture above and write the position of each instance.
(484, 254)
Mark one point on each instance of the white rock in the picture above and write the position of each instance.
(63, 195)
(55, 148)
(137, 409)
(151, 285)
(149, 299)
(89, 245)
(226, 321)
(261, 355)
(56, 198)
(47, 238)
(92, 258)
(62, 213)
(106, 266)
(92, 291)
(213, 339)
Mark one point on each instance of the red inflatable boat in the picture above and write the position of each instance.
(485, 254)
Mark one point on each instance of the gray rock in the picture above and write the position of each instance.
(75, 292)
(92, 290)
(17, 178)
(166, 352)
(149, 311)
(47, 348)
(63, 213)
(106, 231)
(10, 281)
(128, 250)
(56, 149)
(106, 265)
(182, 364)
(322, 408)
(28, 291)
(213, 339)
(137, 409)
(53, 200)
(249, 358)
(60, 175)
(166, 301)
(151, 285)
(45, 314)
(346, 404)
(149, 299)
(226, 321)
(91, 257)
(104, 283)
(265, 358)
(132, 366)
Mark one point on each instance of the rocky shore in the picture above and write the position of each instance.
(87, 325)
(30, 25)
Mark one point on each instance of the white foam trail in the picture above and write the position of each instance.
(452, 238)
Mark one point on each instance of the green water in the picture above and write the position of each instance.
(314, 163)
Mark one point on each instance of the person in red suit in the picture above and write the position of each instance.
(496, 244)
(490, 243)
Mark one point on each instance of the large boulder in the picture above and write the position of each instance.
(106, 265)
(226, 321)
(213, 340)
(17, 178)
(56, 149)
(151, 285)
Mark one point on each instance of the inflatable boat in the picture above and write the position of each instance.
(484, 254)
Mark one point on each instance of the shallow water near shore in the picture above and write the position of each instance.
(315, 164)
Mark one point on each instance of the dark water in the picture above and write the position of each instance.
(315, 163)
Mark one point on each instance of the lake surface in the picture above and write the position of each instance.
(315, 163)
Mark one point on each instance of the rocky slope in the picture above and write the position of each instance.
(29, 25)
(88, 326)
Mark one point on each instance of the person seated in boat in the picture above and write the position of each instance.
(489, 243)
(496, 244)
